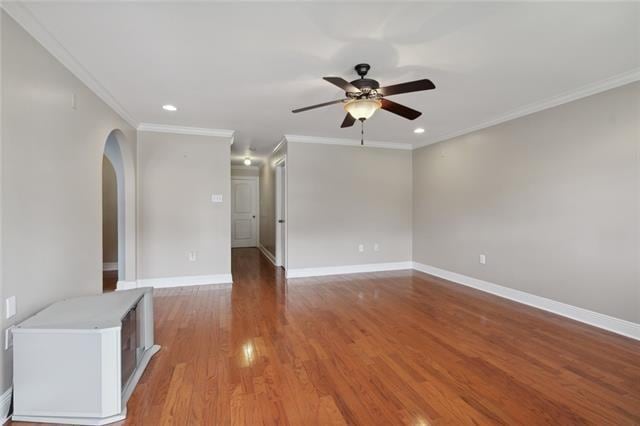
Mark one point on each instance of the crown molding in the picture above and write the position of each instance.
(282, 142)
(563, 98)
(183, 130)
(347, 142)
(23, 16)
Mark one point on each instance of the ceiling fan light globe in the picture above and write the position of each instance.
(362, 109)
(247, 161)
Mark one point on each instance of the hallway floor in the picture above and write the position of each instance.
(375, 349)
(109, 281)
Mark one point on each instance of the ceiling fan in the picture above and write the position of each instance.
(364, 96)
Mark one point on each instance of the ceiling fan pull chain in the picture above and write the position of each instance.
(361, 132)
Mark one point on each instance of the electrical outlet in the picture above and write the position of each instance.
(361, 248)
(10, 306)
(74, 102)
(192, 256)
(376, 247)
(8, 337)
(483, 259)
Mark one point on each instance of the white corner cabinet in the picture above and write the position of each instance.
(78, 360)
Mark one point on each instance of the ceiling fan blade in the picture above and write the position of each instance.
(412, 86)
(342, 83)
(318, 105)
(401, 110)
(348, 121)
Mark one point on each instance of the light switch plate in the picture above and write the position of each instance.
(483, 259)
(216, 198)
(10, 306)
(8, 337)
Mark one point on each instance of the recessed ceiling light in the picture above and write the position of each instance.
(419, 130)
(247, 161)
(169, 107)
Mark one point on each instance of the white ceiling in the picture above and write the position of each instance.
(244, 66)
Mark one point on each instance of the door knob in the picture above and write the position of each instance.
(254, 216)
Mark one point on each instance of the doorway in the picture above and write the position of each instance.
(244, 211)
(118, 213)
(109, 226)
(281, 213)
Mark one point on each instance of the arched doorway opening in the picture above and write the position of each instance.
(109, 226)
(115, 226)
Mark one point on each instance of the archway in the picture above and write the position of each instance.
(118, 155)
(109, 226)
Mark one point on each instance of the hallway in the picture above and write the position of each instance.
(375, 349)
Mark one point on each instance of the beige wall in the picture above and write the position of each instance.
(109, 213)
(268, 200)
(51, 179)
(177, 175)
(552, 199)
(343, 196)
(242, 171)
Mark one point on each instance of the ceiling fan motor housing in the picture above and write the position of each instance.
(366, 85)
(362, 69)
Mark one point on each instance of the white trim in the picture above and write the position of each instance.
(176, 281)
(281, 213)
(563, 98)
(126, 285)
(267, 254)
(615, 325)
(182, 130)
(110, 266)
(5, 405)
(348, 269)
(347, 142)
(84, 421)
(244, 168)
(277, 147)
(22, 14)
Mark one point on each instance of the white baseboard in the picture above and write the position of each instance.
(176, 281)
(110, 266)
(615, 325)
(5, 405)
(185, 281)
(126, 285)
(267, 254)
(348, 269)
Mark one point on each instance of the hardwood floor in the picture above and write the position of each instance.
(375, 349)
(109, 281)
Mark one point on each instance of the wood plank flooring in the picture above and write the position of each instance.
(375, 349)
(109, 281)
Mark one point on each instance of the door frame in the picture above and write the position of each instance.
(281, 256)
(257, 205)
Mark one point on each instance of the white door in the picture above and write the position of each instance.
(244, 205)
(281, 191)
